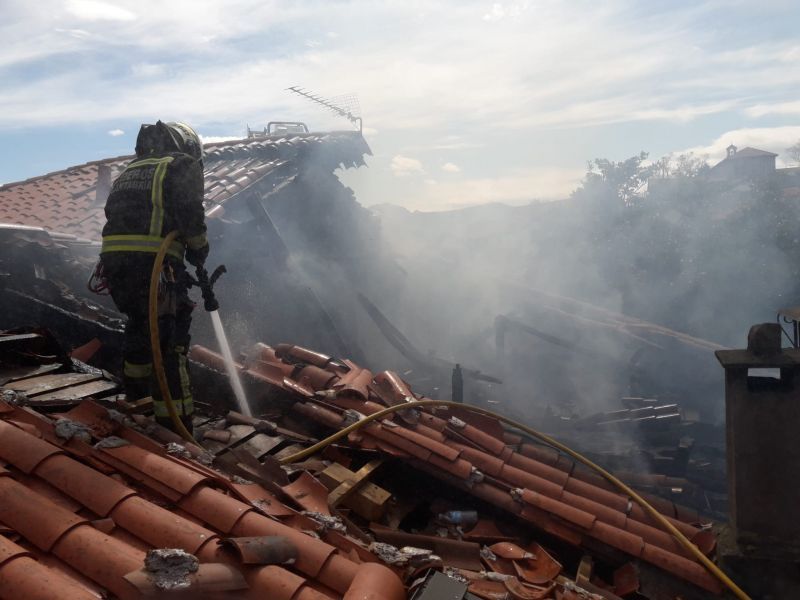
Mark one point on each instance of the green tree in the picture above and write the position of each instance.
(689, 165)
(684, 165)
(622, 180)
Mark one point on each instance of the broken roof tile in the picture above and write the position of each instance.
(551, 498)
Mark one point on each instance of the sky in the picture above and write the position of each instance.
(463, 102)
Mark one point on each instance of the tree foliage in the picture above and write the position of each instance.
(794, 152)
(681, 166)
(624, 179)
(681, 256)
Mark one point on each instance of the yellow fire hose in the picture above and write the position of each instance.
(155, 340)
(682, 539)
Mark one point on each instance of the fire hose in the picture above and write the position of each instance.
(155, 340)
(623, 487)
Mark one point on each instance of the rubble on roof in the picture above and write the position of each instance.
(96, 511)
(383, 513)
(43, 278)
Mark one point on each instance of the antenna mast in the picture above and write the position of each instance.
(345, 106)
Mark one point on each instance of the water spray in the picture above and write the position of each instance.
(210, 303)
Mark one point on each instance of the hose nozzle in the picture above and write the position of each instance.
(206, 285)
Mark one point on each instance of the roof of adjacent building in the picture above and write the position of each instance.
(749, 152)
(72, 200)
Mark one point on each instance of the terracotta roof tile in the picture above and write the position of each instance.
(549, 497)
(309, 493)
(21, 576)
(65, 200)
(157, 472)
(371, 577)
(137, 524)
(54, 529)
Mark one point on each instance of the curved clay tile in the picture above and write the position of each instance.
(539, 568)
(375, 582)
(356, 386)
(208, 580)
(261, 353)
(100, 557)
(286, 585)
(314, 377)
(309, 493)
(23, 577)
(509, 551)
(67, 533)
(303, 355)
(149, 466)
(97, 492)
(583, 509)
(263, 550)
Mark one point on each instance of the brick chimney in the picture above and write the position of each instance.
(762, 418)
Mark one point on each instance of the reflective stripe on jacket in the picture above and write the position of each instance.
(150, 198)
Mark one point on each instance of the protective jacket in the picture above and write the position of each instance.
(151, 197)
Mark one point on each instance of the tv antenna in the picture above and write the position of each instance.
(345, 106)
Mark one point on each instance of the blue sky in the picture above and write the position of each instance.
(463, 102)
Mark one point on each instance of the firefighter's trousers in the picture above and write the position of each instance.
(129, 280)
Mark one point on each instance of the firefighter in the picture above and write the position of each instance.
(161, 190)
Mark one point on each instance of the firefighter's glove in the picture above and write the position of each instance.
(197, 257)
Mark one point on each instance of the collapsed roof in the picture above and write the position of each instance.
(93, 494)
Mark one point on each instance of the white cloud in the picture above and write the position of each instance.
(495, 13)
(92, 10)
(116, 132)
(451, 168)
(517, 187)
(148, 69)
(560, 65)
(403, 166)
(779, 108)
(500, 10)
(80, 34)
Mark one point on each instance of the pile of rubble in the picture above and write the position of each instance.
(97, 498)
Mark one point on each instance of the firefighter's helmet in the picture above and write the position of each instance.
(186, 139)
(168, 137)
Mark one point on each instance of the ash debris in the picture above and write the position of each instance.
(169, 569)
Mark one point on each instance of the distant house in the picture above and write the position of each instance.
(747, 163)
